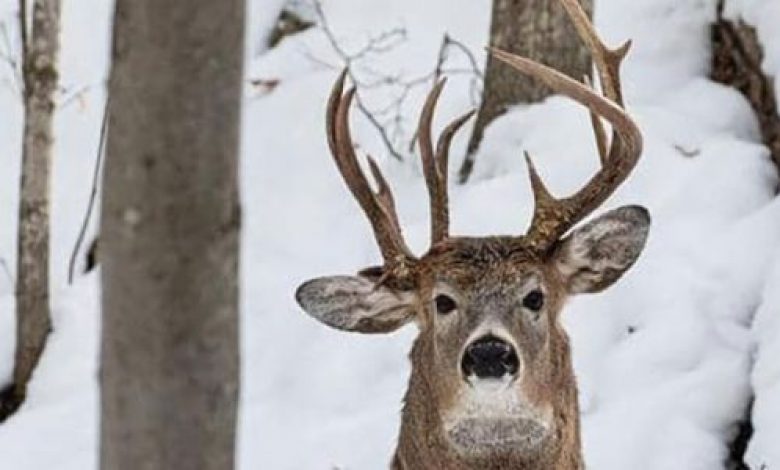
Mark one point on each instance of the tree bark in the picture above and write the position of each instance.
(170, 236)
(39, 72)
(539, 30)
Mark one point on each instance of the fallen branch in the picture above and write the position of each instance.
(736, 61)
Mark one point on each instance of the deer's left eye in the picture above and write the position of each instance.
(534, 300)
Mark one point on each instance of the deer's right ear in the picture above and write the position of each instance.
(597, 254)
(356, 303)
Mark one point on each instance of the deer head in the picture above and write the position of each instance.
(491, 371)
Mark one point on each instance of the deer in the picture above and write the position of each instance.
(492, 384)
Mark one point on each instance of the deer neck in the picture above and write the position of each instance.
(422, 444)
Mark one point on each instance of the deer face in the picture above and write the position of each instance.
(488, 310)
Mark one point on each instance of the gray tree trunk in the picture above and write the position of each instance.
(39, 72)
(539, 30)
(170, 236)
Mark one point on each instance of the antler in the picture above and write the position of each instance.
(554, 217)
(435, 165)
(379, 206)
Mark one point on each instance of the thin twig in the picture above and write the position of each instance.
(384, 42)
(469, 55)
(23, 36)
(92, 194)
(348, 59)
(7, 271)
(69, 97)
(689, 153)
(9, 57)
(441, 57)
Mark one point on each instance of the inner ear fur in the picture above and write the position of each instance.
(597, 254)
(357, 303)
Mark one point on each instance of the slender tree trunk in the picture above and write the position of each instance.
(170, 236)
(539, 30)
(39, 58)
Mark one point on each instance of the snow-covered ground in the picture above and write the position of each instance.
(667, 360)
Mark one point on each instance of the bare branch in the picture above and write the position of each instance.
(68, 96)
(348, 59)
(389, 121)
(9, 56)
(23, 37)
(477, 76)
(384, 42)
(7, 271)
(92, 195)
(451, 42)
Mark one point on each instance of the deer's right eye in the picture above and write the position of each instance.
(444, 304)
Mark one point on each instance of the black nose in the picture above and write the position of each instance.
(489, 357)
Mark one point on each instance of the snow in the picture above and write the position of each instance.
(667, 360)
(766, 375)
(763, 451)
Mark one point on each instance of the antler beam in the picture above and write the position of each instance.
(379, 206)
(554, 217)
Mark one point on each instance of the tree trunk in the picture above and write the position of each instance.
(538, 30)
(170, 236)
(39, 59)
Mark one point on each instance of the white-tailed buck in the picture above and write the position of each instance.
(492, 385)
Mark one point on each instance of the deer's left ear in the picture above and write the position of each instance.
(595, 255)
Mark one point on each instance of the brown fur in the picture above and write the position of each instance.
(449, 421)
(422, 444)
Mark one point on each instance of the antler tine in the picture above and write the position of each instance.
(435, 166)
(384, 194)
(598, 129)
(379, 207)
(607, 60)
(443, 146)
(330, 114)
(553, 217)
(436, 191)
